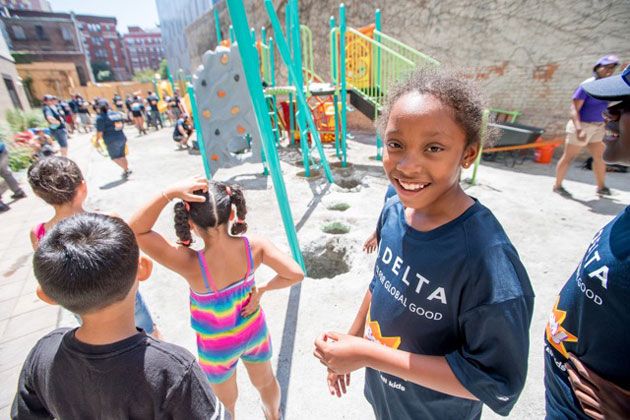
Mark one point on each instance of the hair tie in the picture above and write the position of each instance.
(228, 190)
(187, 242)
(187, 206)
(240, 221)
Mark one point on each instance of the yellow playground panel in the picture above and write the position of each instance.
(359, 58)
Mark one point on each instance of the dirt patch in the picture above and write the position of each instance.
(348, 180)
(339, 207)
(326, 258)
(336, 228)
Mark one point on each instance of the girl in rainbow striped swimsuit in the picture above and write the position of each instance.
(224, 299)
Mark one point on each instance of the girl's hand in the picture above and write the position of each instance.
(341, 353)
(184, 189)
(253, 304)
(337, 383)
(370, 244)
(600, 399)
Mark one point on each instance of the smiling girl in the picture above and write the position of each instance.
(443, 327)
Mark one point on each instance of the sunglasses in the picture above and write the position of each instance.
(614, 112)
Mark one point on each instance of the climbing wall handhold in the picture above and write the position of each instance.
(234, 110)
(224, 59)
(214, 157)
(221, 94)
(240, 129)
(206, 113)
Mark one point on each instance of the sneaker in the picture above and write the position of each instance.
(604, 191)
(4, 207)
(560, 190)
(18, 194)
(126, 174)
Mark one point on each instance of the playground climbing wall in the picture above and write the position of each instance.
(225, 110)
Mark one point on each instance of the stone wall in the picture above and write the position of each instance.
(527, 56)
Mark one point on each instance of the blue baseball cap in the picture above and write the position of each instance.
(613, 88)
(606, 60)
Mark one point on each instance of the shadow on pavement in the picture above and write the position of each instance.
(112, 184)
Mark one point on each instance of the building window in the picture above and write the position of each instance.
(41, 35)
(18, 32)
(65, 34)
(12, 92)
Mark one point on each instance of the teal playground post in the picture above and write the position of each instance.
(342, 76)
(170, 78)
(335, 82)
(155, 88)
(377, 37)
(200, 142)
(232, 40)
(217, 25)
(287, 13)
(305, 120)
(251, 66)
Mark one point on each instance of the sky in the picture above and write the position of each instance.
(128, 12)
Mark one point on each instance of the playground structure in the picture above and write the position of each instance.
(365, 63)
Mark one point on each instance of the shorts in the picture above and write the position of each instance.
(61, 136)
(176, 112)
(136, 113)
(142, 315)
(178, 138)
(594, 133)
(85, 118)
(116, 148)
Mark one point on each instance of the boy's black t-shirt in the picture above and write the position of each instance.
(458, 291)
(136, 378)
(589, 318)
(153, 102)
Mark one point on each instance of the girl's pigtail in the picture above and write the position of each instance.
(182, 227)
(238, 199)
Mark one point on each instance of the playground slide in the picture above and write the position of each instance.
(226, 113)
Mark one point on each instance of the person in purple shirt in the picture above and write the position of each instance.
(586, 128)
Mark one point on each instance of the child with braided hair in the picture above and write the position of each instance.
(224, 298)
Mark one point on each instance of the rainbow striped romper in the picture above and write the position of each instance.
(223, 335)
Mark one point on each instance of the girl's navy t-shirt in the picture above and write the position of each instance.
(589, 319)
(458, 291)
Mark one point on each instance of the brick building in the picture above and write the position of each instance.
(34, 36)
(12, 94)
(41, 5)
(103, 43)
(144, 49)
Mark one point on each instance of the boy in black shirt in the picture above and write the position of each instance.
(106, 368)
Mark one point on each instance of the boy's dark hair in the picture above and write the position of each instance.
(211, 213)
(87, 262)
(55, 179)
(453, 90)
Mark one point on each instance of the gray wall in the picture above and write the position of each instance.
(527, 56)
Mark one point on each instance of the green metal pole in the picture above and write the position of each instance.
(170, 78)
(287, 13)
(484, 124)
(217, 25)
(200, 142)
(379, 142)
(306, 118)
(333, 58)
(342, 76)
(252, 75)
(155, 88)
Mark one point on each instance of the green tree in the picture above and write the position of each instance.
(144, 75)
(102, 71)
(163, 72)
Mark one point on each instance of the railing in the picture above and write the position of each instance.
(265, 64)
(307, 54)
(404, 50)
(371, 68)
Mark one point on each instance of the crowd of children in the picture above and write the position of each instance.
(453, 338)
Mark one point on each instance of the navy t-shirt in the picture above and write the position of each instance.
(153, 102)
(111, 125)
(181, 123)
(589, 319)
(459, 291)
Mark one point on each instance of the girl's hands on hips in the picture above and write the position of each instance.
(253, 304)
(184, 189)
(341, 353)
